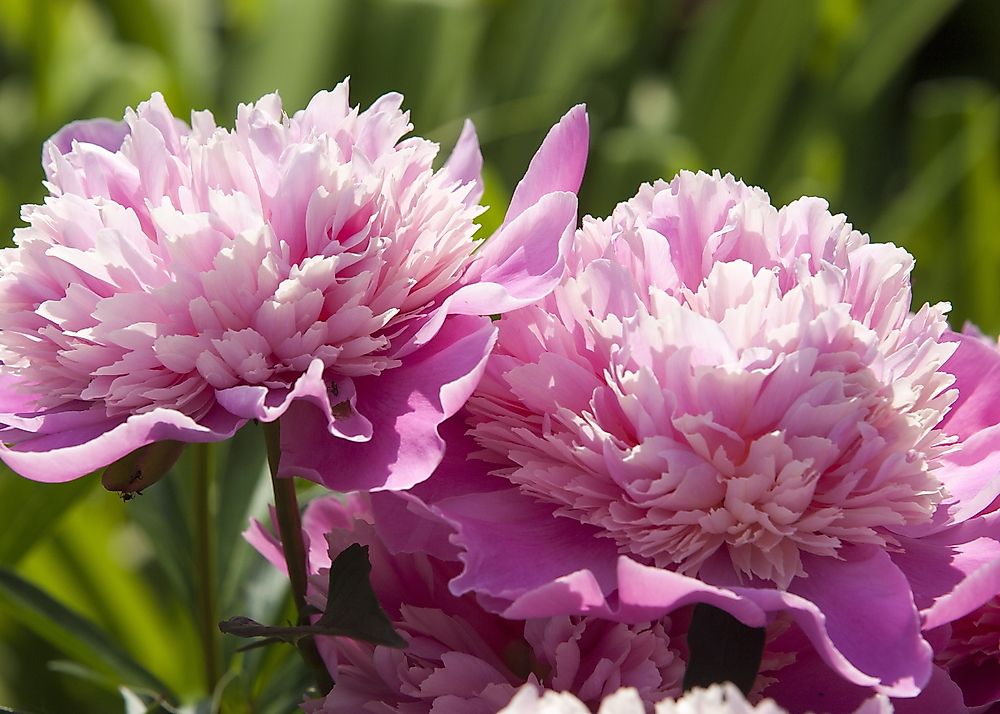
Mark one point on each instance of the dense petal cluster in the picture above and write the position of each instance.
(732, 403)
(460, 658)
(971, 654)
(180, 280)
(717, 699)
(729, 378)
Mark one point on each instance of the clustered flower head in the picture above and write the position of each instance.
(971, 654)
(180, 280)
(731, 403)
(460, 658)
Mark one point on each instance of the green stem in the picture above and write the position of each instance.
(204, 556)
(286, 508)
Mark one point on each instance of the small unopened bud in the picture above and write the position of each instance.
(145, 466)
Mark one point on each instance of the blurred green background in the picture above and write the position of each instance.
(888, 108)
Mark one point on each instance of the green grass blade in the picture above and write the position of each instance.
(71, 632)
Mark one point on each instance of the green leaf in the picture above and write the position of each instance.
(897, 28)
(71, 632)
(30, 510)
(352, 610)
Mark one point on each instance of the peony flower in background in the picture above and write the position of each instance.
(460, 658)
(180, 281)
(971, 654)
(717, 699)
(729, 403)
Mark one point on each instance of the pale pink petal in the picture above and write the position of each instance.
(557, 166)
(465, 164)
(105, 133)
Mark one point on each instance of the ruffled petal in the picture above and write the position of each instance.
(405, 407)
(61, 455)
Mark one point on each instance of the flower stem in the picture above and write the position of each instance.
(286, 508)
(204, 556)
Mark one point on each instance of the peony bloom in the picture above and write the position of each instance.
(730, 403)
(460, 658)
(971, 654)
(179, 281)
(717, 699)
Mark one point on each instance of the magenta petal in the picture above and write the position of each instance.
(869, 617)
(408, 523)
(952, 572)
(976, 367)
(808, 684)
(465, 165)
(940, 694)
(500, 532)
(405, 406)
(558, 164)
(266, 543)
(66, 455)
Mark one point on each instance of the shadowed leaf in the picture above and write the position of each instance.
(352, 610)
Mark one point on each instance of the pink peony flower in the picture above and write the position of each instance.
(730, 403)
(462, 659)
(180, 281)
(971, 654)
(717, 699)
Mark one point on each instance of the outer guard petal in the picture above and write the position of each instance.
(405, 407)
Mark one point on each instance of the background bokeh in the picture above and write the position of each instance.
(890, 109)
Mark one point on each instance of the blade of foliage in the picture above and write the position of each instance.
(352, 610)
(896, 27)
(71, 632)
(29, 510)
(243, 494)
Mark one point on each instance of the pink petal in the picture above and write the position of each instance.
(65, 455)
(501, 532)
(866, 610)
(558, 164)
(952, 572)
(522, 262)
(405, 406)
(976, 366)
(255, 402)
(465, 165)
(106, 133)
